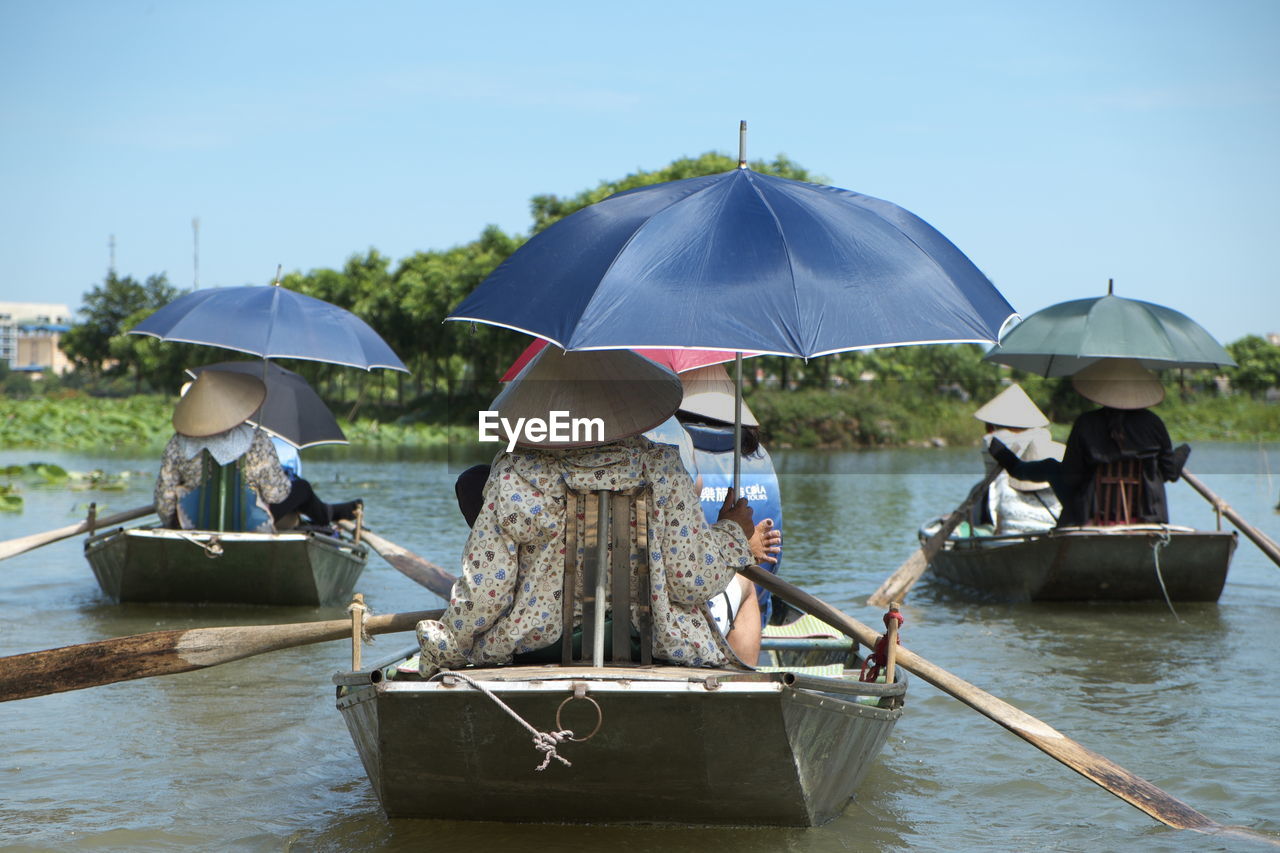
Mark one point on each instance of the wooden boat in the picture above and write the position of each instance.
(152, 564)
(655, 744)
(1130, 562)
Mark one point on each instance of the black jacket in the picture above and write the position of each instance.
(1105, 435)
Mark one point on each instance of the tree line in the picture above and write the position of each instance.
(455, 365)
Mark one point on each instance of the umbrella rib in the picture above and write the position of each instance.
(777, 224)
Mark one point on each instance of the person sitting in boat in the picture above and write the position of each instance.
(507, 599)
(1026, 506)
(213, 441)
(735, 612)
(1124, 428)
(1011, 505)
(703, 430)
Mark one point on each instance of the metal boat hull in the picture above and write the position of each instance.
(1124, 563)
(672, 746)
(160, 565)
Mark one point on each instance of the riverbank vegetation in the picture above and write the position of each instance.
(122, 390)
(866, 414)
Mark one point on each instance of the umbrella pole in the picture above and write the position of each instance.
(737, 357)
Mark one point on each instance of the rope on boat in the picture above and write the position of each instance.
(1159, 542)
(544, 742)
(875, 664)
(212, 549)
(358, 605)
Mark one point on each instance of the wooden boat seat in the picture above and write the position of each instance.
(1117, 491)
(224, 501)
(603, 527)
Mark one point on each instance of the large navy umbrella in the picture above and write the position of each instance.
(740, 261)
(293, 410)
(272, 322)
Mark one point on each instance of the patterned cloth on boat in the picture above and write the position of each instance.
(507, 598)
(182, 469)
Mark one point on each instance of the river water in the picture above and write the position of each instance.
(253, 756)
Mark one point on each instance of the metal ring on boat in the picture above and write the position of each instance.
(599, 717)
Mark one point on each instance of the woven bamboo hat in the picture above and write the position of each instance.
(1039, 448)
(1119, 383)
(628, 392)
(216, 402)
(1012, 408)
(709, 393)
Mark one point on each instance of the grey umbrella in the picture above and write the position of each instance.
(292, 411)
(1063, 339)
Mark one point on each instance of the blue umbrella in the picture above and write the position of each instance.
(272, 322)
(740, 261)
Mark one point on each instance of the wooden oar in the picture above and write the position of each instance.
(168, 652)
(1256, 536)
(896, 585)
(1136, 791)
(420, 571)
(27, 543)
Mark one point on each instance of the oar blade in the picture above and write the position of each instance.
(169, 652)
(896, 585)
(420, 571)
(92, 664)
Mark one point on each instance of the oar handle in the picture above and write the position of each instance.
(1257, 537)
(27, 543)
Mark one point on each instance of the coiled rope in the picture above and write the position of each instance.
(544, 742)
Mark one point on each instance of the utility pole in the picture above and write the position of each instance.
(195, 234)
(111, 253)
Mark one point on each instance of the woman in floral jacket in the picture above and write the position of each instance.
(507, 598)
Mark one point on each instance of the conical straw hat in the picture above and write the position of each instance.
(1038, 449)
(216, 402)
(709, 393)
(1012, 408)
(629, 393)
(1119, 383)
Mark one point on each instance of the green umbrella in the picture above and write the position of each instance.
(1065, 338)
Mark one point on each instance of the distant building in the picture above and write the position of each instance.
(30, 333)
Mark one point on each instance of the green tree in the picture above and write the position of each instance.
(548, 209)
(106, 312)
(1257, 364)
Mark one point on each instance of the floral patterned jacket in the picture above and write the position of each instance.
(181, 470)
(507, 598)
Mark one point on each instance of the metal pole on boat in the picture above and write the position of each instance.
(602, 572)
(737, 425)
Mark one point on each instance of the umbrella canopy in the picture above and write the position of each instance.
(676, 360)
(272, 322)
(740, 261)
(1065, 338)
(292, 410)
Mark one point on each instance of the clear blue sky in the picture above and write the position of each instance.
(1056, 143)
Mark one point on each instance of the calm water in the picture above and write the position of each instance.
(253, 756)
